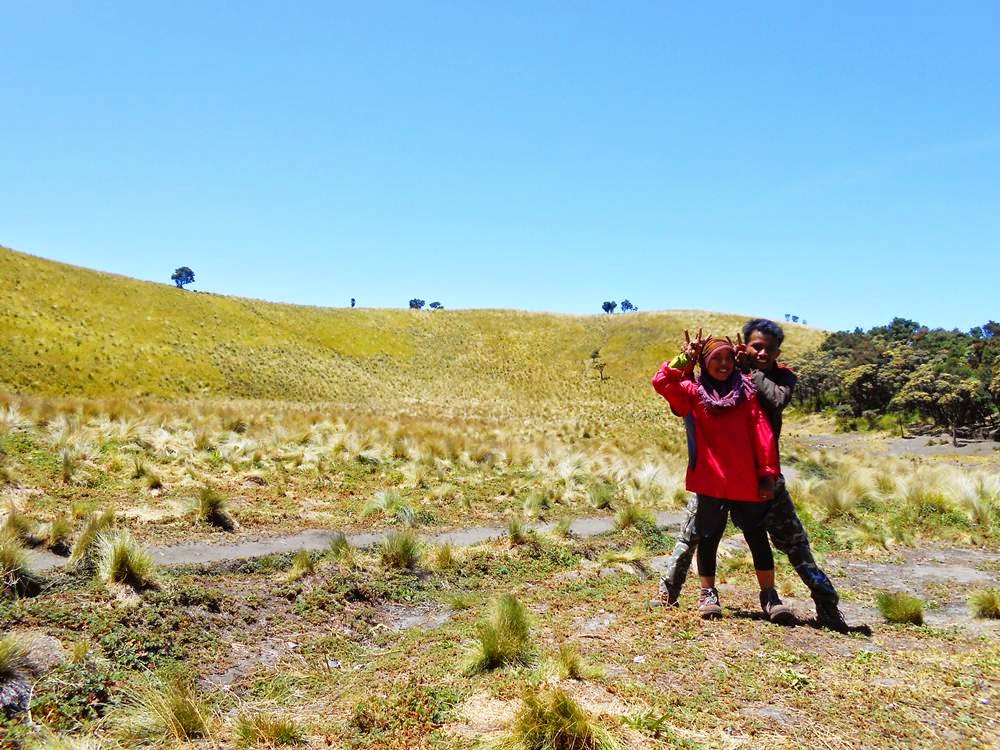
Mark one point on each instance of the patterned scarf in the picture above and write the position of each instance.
(718, 396)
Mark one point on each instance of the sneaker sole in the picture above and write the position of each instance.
(782, 615)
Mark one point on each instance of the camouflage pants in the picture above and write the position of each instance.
(787, 535)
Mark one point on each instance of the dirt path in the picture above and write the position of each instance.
(314, 540)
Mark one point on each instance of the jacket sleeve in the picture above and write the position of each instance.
(764, 444)
(776, 392)
(672, 382)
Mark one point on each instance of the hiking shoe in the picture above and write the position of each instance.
(665, 599)
(829, 617)
(708, 604)
(776, 612)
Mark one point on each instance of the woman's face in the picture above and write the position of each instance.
(720, 364)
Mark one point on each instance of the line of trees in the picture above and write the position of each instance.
(609, 306)
(950, 378)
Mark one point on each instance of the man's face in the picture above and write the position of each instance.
(763, 350)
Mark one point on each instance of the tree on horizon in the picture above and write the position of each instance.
(182, 276)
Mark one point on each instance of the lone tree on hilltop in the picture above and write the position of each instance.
(182, 276)
(436, 306)
(417, 304)
(627, 306)
(609, 307)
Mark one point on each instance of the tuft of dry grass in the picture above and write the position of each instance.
(631, 515)
(504, 639)
(16, 576)
(985, 604)
(166, 709)
(257, 728)
(120, 559)
(303, 564)
(14, 662)
(901, 608)
(554, 721)
(86, 543)
(401, 549)
(212, 508)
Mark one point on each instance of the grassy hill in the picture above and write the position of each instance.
(73, 331)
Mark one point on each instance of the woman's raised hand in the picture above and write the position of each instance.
(692, 349)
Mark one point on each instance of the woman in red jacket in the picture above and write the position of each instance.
(732, 460)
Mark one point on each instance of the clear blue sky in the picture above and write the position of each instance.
(838, 161)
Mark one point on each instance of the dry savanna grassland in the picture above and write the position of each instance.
(230, 523)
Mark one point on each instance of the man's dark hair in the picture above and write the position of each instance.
(765, 326)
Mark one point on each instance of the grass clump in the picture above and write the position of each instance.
(504, 639)
(86, 544)
(391, 504)
(57, 534)
(171, 708)
(15, 575)
(22, 527)
(120, 559)
(601, 495)
(259, 728)
(634, 556)
(303, 565)
(400, 550)
(901, 608)
(570, 663)
(986, 604)
(212, 509)
(13, 658)
(444, 557)
(554, 721)
(632, 515)
(562, 528)
(517, 532)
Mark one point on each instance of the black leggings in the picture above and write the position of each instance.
(710, 523)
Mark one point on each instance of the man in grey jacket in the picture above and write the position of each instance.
(775, 384)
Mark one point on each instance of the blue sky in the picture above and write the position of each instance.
(837, 161)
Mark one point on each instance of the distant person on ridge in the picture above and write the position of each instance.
(774, 384)
(732, 461)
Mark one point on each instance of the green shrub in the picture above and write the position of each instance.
(504, 639)
(900, 607)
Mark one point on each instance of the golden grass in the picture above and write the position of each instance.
(74, 331)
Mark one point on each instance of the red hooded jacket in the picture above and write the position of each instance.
(728, 450)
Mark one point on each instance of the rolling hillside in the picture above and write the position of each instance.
(73, 331)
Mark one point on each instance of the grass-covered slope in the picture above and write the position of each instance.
(72, 331)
